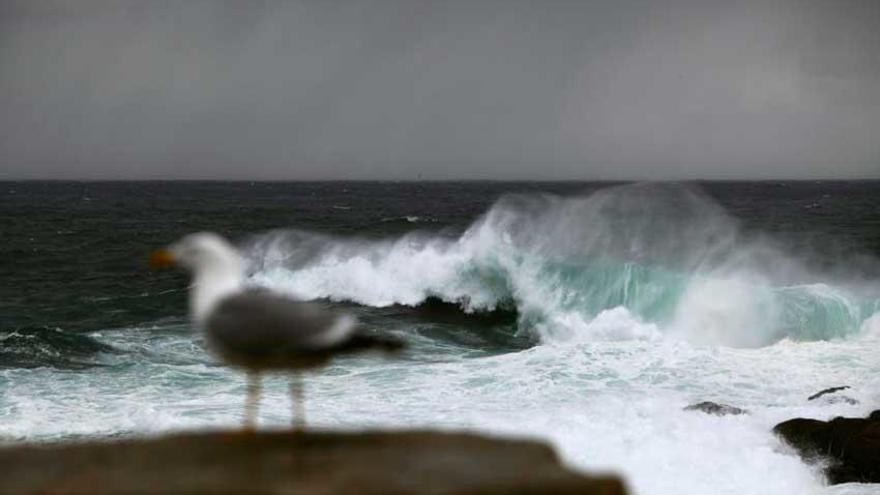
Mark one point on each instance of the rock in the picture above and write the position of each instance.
(283, 462)
(851, 444)
(836, 399)
(716, 409)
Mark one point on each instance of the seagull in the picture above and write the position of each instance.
(256, 329)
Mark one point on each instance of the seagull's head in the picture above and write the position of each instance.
(215, 264)
(200, 253)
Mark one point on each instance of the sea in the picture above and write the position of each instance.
(586, 315)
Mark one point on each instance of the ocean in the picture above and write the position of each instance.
(587, 314)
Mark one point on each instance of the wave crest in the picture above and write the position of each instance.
(633, 261)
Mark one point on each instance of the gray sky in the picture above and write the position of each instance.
(327, 89)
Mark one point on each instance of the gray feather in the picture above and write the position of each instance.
(258, 322)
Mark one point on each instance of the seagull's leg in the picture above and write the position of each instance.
(297, 398)
(252, 404)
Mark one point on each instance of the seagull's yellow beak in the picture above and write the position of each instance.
(161, 258)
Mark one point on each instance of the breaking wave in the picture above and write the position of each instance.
(642, 261)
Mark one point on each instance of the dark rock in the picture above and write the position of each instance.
(299, 463)
(716, 409)
(834, 400)
(852, 445)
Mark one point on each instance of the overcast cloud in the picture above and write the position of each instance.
(631, 89)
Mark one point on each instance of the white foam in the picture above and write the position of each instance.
(670, 256)
(871, 327)
(612, 405)
(729, 311)
(609, 325)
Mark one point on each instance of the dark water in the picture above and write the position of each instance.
(73, 253)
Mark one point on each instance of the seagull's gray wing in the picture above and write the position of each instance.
(262, 323)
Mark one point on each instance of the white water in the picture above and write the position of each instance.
(668, 254)
(607, 405)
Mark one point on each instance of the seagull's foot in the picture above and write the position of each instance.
(252, 403)
(297, 399)
(298, 426)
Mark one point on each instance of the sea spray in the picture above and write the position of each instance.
(665, 253)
